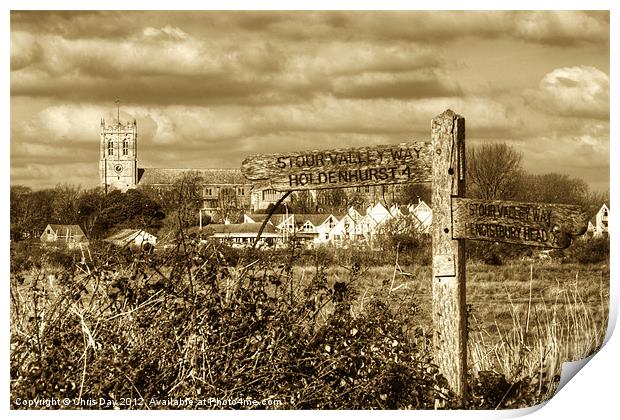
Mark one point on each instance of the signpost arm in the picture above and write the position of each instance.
(448, 283)
(262, 227)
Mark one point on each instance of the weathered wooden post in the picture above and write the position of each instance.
(448, 283)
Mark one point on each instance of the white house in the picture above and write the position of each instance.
(379, 213)
(66, 234)
(424, 214)
(322, 228)
(316, 226)
(345, 229)
(601, 222)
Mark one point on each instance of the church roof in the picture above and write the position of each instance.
(166, 176)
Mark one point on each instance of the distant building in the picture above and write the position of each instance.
(65, 234)
(129, 237)
(599, 226)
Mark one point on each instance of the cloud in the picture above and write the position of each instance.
(60, 124)
(390, 85)
(581, 91)
(77, 24)
(582, 156)
(166, 33)
(209, 88)
(53, 173)
(25, 50)
(562, 27)
(180, 68)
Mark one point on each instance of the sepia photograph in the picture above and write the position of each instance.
(306, 209)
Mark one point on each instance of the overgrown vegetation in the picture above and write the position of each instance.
(190, 323)
(185, 324)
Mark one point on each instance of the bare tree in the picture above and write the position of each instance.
(494, 171)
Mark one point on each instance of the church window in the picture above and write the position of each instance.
(125, 147)
(110, 148)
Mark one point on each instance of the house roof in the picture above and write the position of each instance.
(315, 219)
(233, 228)
(275, 219)
(126, 235)
(164, 176)
(73, 230)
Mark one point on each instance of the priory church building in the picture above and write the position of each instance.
(119, 169)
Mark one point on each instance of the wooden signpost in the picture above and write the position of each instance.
(455, 218)
(535, 224)
(448, 281)
(342, 168)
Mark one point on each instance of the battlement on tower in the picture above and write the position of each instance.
(119, 126)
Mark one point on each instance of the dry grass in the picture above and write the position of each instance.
(525, 319)
(558, 315)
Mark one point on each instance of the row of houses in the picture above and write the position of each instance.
(326, 228)
(309, 228)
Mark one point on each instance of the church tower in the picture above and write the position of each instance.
(118, 155)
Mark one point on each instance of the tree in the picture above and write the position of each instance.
(412, 193)
(332, 200)
(65, 204)
(228, 205)
(302, 202)
(555, 188)
(19, 197)
(595, 200)
(493, 171)
(132, 209)
(181, 201)
(89, 207)
(355, 198)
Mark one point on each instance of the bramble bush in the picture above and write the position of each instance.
(586, 251)
(185, 323)
(142, 325)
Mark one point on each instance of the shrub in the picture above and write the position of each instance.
(588, 251)
(185, 324)
(494, 253)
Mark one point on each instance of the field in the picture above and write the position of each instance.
(196, 328)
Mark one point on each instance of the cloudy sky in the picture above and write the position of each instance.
(209, 88)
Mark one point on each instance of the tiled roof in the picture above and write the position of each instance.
(125, 235)
(239, 228)
(164, 176)
(315, 219)
(275, 219)
(73, 230)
